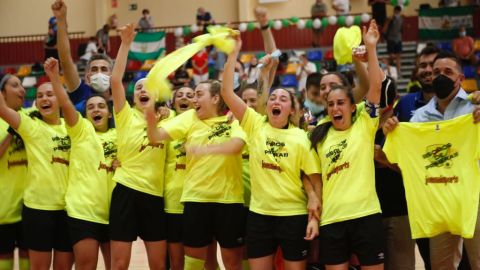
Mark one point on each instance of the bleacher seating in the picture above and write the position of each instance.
(315, 55)
(29, 81)
(470, 85)
(148, 64)
(289, 81)
(24, 70)
(469, 72)
(134, 65)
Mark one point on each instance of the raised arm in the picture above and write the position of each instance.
(69, 112)
(234, 102)
(72, 79)
(360, 90)
(265, 80)
(267, 36)
(375, 75)
(8, 114)
(127, 34)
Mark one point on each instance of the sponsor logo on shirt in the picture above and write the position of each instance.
(179, 147)
(440, 155)
(63, 144)
(220, 130)
(335, 151)
(109, 150)
(276, 149)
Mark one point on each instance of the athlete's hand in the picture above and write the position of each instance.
(314, 208)
(116, 164)
(162, 113)
(127, 33)
(476, 114)
(475, 97)
(390, 125)
(312, 230)
(59, 10)
(51, 68)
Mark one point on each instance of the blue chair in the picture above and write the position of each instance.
(315, 55)
(469, 72)
(289, 81)
(139, 75)
(446, 46)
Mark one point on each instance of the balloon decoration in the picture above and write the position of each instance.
(187, 30)
(194, 28)
(178, 32)
(402, 3)
(285, 23)
(357, 20)
(349, 21)
(317, 23)
(332, 20)
(341, 20)
(250, 26)
(242, 27)
(294, 19)
(309, 24)
(365, 17)
(277, 25)
(301, 24)
(325, 21)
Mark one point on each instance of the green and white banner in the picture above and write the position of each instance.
(147, 45)
(443, 23)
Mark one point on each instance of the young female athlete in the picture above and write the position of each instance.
(48, 148)
(13, 168)
(213, 191)
(137, 207)
(278, 153)
(92, 163)
(351, 220)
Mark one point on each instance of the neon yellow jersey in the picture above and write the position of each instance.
(439, 163)
(90, 181)
(13, 174)
(277, 157)
(48, 152)
(142, 162)
(175, 173)
(210, 178)
(348, 172)
(246, 176)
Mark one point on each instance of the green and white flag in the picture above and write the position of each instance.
(147, 45)
(443, 23)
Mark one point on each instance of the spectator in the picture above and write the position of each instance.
(204, 19)
(448, 3)
(251, 72)
(103, 39)
(181, 77)
(342, 7)
(393, 33)
(464, 49)
(388, 69)
(379, 11)
(50, 45)
(318, 11)
(220, 58)
(90, 50)
(113, 21)
(305, 68)
(200, 66)
(146, 22)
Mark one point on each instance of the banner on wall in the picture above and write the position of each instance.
(443, 23)
(147, 45)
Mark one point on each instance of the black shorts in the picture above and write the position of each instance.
(174, 228)
(362, 236)
(266, 233)
(134, 213)
(46, 230)
(202, 222)
(11, 236)
(81, 229)
(394, 47)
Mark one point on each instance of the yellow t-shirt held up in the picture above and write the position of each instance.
(210, 178)
(90, 181)
(348, 172)
(277, 158)
(439, 163)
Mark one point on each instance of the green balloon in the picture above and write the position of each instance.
(324, 22)
(341, 20)
(357, 20)
(309, 24)
(250, 26)
(270, 23)
(186, 30)
(285, 23)
(294, 19)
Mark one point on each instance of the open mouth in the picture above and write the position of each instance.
(45, 106)
(183, 106)
(97, 118)
(144, 99)
(337, 117)
(276, 111)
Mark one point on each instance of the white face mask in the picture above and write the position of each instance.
(100, 82)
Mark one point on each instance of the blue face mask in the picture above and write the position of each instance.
(314, 108)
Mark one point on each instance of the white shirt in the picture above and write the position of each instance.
(343, 5)
(89, 51)
(303, 73)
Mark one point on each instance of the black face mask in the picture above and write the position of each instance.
(443, 86)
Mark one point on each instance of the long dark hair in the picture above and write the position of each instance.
(320, 132)
(111, 121)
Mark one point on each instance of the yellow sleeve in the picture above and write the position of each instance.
(178, 127)
(78, 129)
(28, 127)
(252, 121)
(310, 160)
(123, 117)
(389, 147)
(237, 131)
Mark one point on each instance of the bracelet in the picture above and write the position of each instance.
(265, 27)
